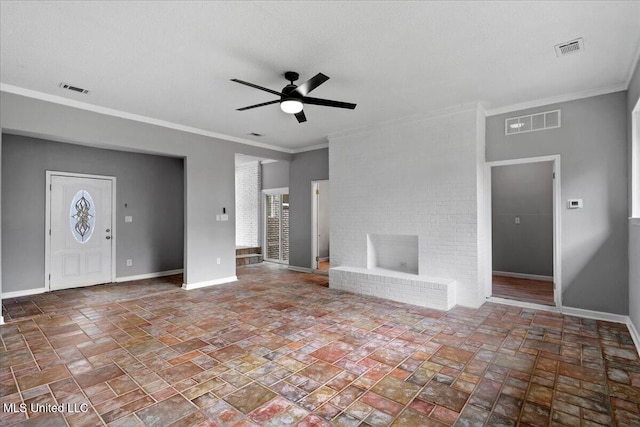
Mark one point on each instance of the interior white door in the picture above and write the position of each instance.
(81, 231)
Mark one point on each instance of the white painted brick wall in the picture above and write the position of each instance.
(248, 194)
(418, 178)
(403, 287)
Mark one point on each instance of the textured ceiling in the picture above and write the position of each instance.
(172, 61)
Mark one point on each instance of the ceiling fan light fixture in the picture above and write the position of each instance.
(292, 97)
(291, 106)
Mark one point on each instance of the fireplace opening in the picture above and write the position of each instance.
(393, 252)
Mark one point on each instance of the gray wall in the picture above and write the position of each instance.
(633, 95)
(524, 191)
(209, 170)
(1, 286)
(151, 186)
(592, 143)
(634, 230)
(305, 167)
(275, 175)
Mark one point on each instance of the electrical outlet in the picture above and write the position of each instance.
(574, 204)
(129, 262)
(218, 261)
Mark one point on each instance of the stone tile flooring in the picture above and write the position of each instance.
(277, 349)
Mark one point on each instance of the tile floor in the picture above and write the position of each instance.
(277, 349)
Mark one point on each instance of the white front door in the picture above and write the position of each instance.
(80, 231)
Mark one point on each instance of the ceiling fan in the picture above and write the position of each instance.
(293, 97)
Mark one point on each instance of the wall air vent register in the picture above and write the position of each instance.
(532, 122)
(569, 48)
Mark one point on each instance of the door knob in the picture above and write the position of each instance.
(108, 230)
(108, 237)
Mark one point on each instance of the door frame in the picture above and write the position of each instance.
(314, 226)
(47, 221)
(557, 222)
(263, 210)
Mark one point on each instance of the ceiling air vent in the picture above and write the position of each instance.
(574, 46)
(532, 122)
(64, 85)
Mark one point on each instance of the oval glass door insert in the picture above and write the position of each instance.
(82, 215)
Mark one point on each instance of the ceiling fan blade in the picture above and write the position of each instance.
(257, 87)
(328, 103)
(258, 105)
(301, 117)
(311, 84)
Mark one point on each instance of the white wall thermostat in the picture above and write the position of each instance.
(574, 204)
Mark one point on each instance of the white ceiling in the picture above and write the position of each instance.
(172, 61)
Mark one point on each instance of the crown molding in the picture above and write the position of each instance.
(482, 109)
(413, 118)
(557, 99)
(310, 148)
(632, 69)
(17, 90)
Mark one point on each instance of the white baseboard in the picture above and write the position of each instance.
(323, 258)
(190, 286)
(300, 269)
(1, 320)
(25, 293)
(149, 275)
(596, 315)
(634, 334)
(523, 276)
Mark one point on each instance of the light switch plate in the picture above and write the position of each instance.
(128, 218)
(224, 217)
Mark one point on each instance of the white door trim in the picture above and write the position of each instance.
(47, 221)
(314, 225)
(263, 210)
(557, 221)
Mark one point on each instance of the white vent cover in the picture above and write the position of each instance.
(64, 85)
(568, 48)
(532, 122)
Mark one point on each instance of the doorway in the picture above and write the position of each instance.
(79, 230)
(524, 218)
(276, 225)
(320, 226)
